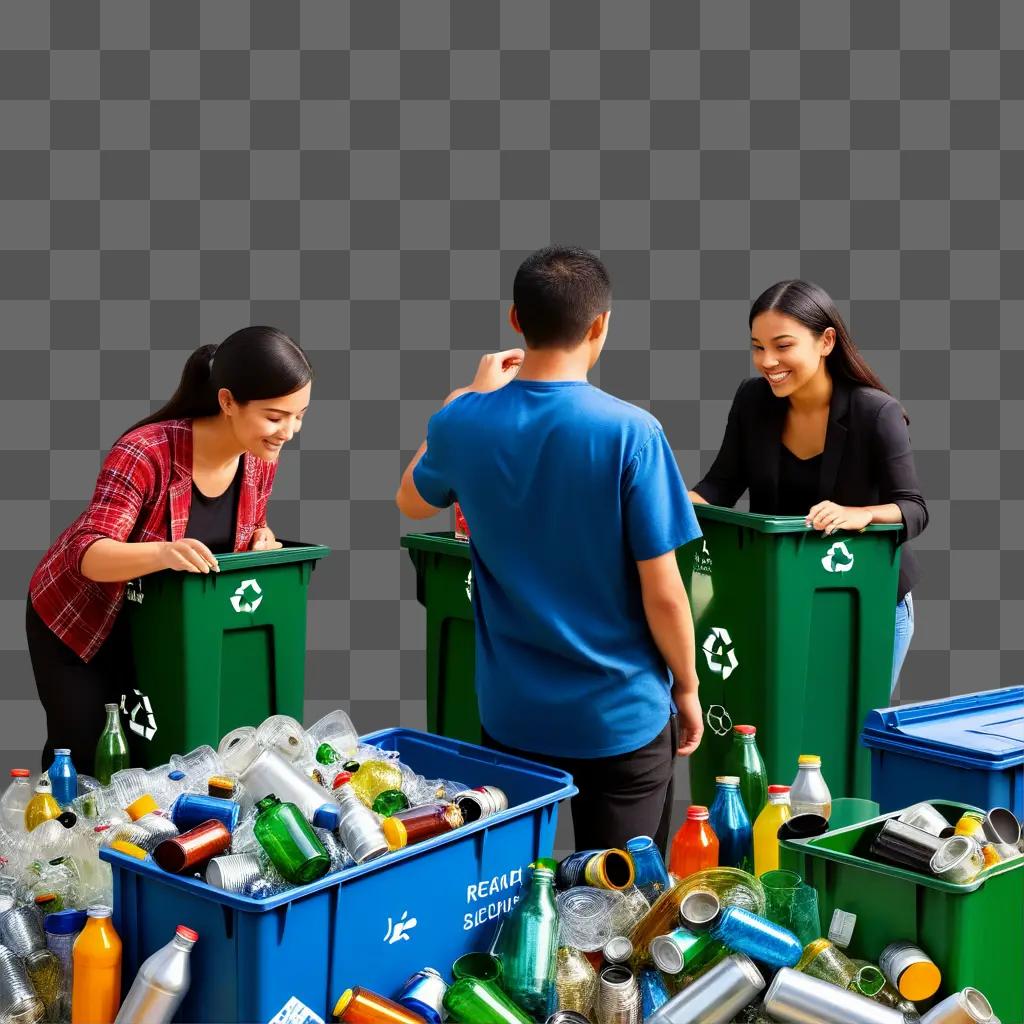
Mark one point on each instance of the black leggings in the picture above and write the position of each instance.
(73, 691)
(619, 797)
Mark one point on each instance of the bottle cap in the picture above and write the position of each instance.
(745, 730)
(130, 850)
(327, 816)
(65, 922)
(20, 773)
(809, 759)
(395, 833)
(187, 933)
(697, 812)
(99, 910)
(176, 776)
(339, 1008)
(110, 707)
(341, 778)
(727, 780)
(778, 789)
(138, 808)
(62, 750)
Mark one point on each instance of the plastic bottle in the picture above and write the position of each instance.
(695, 846)
(744, 761)
(528, 946)
(731, 823)
(63, 777)
(766, 829)
(809, 793)
(112, 748)
(97, 969)
(290, 842)
(15, 799)
(42, 807)
(62, 929)
(162, 982)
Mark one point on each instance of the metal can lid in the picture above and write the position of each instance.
(618, 950)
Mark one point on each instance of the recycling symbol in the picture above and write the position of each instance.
(469, 586)
(241, 600)
(719, 720)
(719, 653)
(838, 558)
(142, 705)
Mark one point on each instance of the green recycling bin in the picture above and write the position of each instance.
(444, 586)
(216, 651)
(794, 634)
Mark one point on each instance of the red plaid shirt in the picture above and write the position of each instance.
(144, 493)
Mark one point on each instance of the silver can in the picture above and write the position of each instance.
(959, 860)
(699, 910)
(18, 998)
(423, 993)
(897, 957)
(618, 997)
(618, 950)
(1001, 826)
(481, 802)
(567, 1017)
(359, 828)
(271, 773)
(716, 996)
(800, 999)
(926, 817)
(234, 872)
(21, 931)
(968, 1006)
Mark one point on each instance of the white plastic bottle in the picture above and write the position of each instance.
(161, 984)
(809, 793)
(15, 799)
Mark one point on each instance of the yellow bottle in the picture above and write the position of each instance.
(766, 829)
(42, 806)
(373, 778)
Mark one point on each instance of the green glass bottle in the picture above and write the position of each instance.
(112, 749)
(391, 801)
(473, 1001)
(290, 842)
(326, 754)
(528, 946)
(746, 763)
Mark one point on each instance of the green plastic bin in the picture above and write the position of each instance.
(444, 586)
(974, 933)
(794, 634)
(216, 651)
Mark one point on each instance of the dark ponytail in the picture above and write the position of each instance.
(813, 307)
(253, 363)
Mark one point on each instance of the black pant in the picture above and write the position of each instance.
(619, 797)
(73, 691)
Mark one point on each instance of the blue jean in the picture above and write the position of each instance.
(904, 634)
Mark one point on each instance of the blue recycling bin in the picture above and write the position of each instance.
(968, 748)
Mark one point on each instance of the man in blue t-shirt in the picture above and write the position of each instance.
(575, 503)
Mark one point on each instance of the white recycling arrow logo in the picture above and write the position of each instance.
(838, 558)
(719, 653)
(147, 731)
(240, 599)
(469, 586)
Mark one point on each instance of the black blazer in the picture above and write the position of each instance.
(867, 458)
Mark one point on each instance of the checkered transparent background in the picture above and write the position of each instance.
(367, 175)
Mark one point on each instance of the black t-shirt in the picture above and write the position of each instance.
(213, 520)
(799, 483)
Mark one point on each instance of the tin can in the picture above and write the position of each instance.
(1001, 826)
(424, 993)
(618, 950)
(361, 1006)
(481, 802)
(618, 997)
(959, 860)
(191, 849)
(567, 1017)
(673, 952)
(192, 809)
(234, 872)
(699, 910)
(968, 1006)
(909, 969)
(603, 869)
(797, 998)
(716, 996)
(905, 845)
(926, 817)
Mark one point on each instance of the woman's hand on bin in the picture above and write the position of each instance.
(189, 555)
(691, 722)
(263, 539)
(829, 517)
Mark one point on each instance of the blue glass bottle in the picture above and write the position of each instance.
(731, 823)
(651, 875)
(63, 777)
(653, 990)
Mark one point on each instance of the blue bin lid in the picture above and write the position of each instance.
(975, 730)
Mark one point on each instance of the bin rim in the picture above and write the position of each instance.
(777, 524)
(891, 870)
(193, 887)
(443, 542)
(293, 551)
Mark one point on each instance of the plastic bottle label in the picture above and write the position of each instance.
(840, 931)
(295, 1012)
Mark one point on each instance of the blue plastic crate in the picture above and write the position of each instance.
(372, 925)
(969, 748)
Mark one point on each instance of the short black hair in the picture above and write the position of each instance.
(558, 292)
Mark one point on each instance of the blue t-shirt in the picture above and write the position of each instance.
(565, 489)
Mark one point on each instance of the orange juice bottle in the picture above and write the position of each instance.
(96, 992)
(695, 846)
(766, 829)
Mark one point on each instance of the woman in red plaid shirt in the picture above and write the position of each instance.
(186, 484)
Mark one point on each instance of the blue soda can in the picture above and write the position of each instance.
(192, 809)
(424, 993)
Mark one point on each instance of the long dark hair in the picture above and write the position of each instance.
(813, 307)
(253, 363)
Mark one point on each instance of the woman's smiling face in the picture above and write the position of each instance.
(785, 352)
(263, 426)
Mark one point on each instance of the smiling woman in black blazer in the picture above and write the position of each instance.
(817, 435)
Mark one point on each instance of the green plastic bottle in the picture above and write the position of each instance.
(112, 749)
(290, 842)
(528, 946)
(746, 763)
(326, 754)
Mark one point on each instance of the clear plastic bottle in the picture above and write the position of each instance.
(15, 799)
(809, 793)
(162, 982)
(766, 829)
